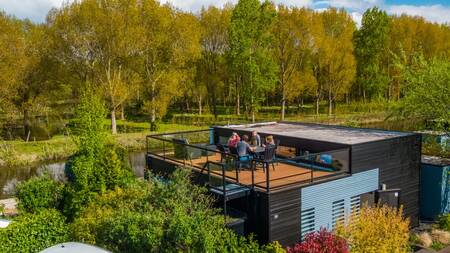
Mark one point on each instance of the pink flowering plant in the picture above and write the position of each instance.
(322, 241)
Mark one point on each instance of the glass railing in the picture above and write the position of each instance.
(193, 149)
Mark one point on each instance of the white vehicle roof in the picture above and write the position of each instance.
(74, 247)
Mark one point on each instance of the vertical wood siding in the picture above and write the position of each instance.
(399, 163)
(284, 216)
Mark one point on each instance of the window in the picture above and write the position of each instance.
(307, 222)
(338, 212)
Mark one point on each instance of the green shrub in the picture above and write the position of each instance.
(2, 209)
(39, 193)
(89, 177)
(443, 222)
(128, 231)
(174, 216)
(33, 232)
(274, 247)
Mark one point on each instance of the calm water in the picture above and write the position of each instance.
(9, 177)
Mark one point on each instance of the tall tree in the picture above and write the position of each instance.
(97, 36)
(427, 94)
(337, 61)
(371, 42)
(169, 40)
(294, 33)
(408, 38)
(250, 37)
(214, 41)
(27, 81)
(12, 44)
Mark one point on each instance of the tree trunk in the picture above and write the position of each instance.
(153, 111)
(317, 105)
(330, 103)
(113, 121)
(364, 95)
(26, 124)
(283, 104)
(153, 115)
(200, 105)
(238, 105)
(122, 112)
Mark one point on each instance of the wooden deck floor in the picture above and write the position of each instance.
(283, 174)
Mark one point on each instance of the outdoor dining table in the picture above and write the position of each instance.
(259, 151)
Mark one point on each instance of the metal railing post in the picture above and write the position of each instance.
(267, 178)
(224, 193)
(164, 150)
(209, 174)
(237, 170)
(253, 167)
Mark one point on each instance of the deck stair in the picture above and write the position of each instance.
(221, 187)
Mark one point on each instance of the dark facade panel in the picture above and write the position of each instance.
(285, 209)
(399, 163)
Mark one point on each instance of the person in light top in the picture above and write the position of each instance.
(269, 141)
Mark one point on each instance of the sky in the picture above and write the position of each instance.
(432, 10)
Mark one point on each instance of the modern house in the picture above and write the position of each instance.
(321, 174)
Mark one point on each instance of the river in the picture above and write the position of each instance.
(9, 177)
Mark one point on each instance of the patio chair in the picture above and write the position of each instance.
(277, 143)
(240, 160)
(243, 160)
(182, 151)
(268, 158)
(223, 151)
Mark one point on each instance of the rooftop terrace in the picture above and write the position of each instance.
(197, 151)
(327, 133)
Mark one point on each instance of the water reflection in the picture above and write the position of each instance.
(9, 177)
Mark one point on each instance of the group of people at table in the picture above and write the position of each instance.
(249, 146)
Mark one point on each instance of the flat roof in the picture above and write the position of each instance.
(327, 133)
(434, 160)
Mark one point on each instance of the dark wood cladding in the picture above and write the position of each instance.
(272, 217)
(284, 216)
(398, 160)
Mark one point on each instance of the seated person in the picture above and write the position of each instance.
(269, 141)
(243, 148)
(233, 140)
(256, 139)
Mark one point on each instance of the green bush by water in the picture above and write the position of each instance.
(39, 193)
(33, 232)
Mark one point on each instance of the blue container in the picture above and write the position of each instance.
(434, 187)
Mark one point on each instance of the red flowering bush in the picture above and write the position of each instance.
(322, 241)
